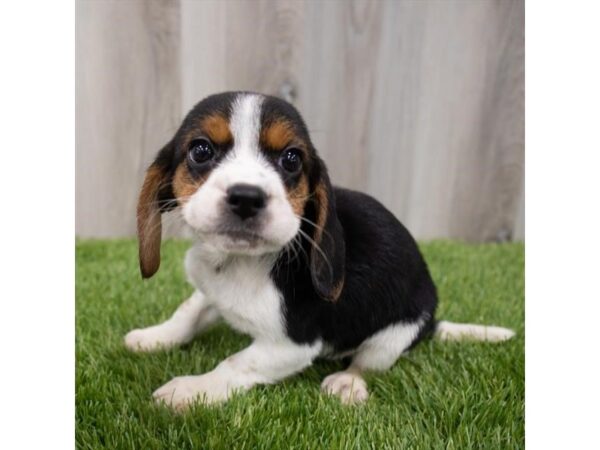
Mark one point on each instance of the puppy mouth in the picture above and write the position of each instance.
(241, 235)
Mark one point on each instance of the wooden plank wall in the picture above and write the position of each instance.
(420, 103)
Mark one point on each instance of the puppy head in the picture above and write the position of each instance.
(246, 177)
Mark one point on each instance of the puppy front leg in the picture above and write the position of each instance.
(189, 319)
(263, 362)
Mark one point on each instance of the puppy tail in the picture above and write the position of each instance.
(450, 331)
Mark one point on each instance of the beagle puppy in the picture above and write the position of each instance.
(306, 269)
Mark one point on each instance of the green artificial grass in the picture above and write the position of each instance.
(441, 395)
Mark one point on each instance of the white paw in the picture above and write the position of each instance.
(149, 339)
(349, 387)
(181, 392)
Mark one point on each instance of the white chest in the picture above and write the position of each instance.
(242, 291)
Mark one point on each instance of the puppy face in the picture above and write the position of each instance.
(244, 172)
(243, 185)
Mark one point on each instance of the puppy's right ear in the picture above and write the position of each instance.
(155, 198)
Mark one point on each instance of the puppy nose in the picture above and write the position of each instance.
(246, 200)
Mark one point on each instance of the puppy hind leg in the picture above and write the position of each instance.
(191, 317)
(377, 353)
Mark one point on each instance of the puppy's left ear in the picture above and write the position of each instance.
(155, 198)
(328, 256)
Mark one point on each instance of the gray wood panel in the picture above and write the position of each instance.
(418, 103)
(128, 102)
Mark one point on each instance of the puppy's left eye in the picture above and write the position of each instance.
(291, 160)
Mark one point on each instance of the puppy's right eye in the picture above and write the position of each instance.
(201, 151)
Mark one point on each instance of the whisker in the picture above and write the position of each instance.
(165, 220)
(318, 227)
(310, 222)
(306, 197)
(317, 247)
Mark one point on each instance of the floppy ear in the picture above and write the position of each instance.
(155, 198)
(327, 261)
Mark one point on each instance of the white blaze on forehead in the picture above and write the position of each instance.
(245, 124)
(245, 163)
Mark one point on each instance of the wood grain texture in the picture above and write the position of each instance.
(128, 104)
(419, 103)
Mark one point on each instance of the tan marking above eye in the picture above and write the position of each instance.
(277, 135)
(216, 128)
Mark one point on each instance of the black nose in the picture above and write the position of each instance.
(246, 200)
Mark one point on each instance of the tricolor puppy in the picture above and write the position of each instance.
(306, 269)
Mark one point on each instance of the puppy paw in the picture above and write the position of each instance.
(149, 339)
(349, 387)
(181, 392)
